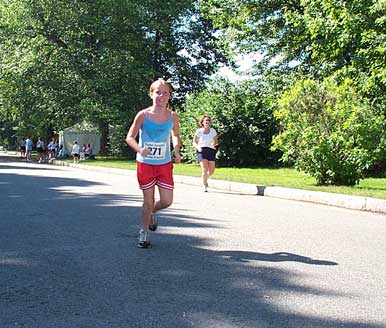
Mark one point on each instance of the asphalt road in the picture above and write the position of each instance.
(68, 257)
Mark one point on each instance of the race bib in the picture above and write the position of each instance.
(157, 150)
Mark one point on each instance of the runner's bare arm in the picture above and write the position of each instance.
(215, 140)
(195, 143)
(133, 133)
(176, 138)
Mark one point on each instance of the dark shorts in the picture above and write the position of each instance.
(22, 148)
(76, 155)
(207, 153)
(40, 150)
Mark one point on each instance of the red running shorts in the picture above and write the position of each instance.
(149, 175)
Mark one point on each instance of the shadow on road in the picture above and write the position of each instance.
(274, 257)
(69, 259)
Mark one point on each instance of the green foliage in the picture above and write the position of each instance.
(328, 131)
(244, 124)
(317, 38)
(62, 62)
(117, 142)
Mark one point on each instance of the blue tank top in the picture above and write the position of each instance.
(156, 137)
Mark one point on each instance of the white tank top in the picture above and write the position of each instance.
(206, 140)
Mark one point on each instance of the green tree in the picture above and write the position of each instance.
(244, 122)
(328, 131)
(314, 39)
(317, 37)
(63, 62)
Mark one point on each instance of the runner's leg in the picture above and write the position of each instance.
(166, 199)
(147, 207)
(211, 167)
(204, 171)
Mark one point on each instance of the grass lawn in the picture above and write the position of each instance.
(284, 177)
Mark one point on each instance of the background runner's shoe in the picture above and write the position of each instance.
(144, 239)
(153, 222)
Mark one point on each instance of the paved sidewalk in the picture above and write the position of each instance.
(347, 201)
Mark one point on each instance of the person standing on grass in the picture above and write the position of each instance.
(205, 141)
(75, 152)
(40, 148)
(51, 149)
(22, 149)
(154, 161)
(28, 149)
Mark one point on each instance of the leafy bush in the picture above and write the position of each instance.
(244, 124)
(328, 131)
(117, 146)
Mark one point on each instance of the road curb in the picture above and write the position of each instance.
(340, 200)
(320, 197)
(360, 203)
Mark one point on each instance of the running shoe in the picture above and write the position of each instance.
(153, 222)
(144, 239)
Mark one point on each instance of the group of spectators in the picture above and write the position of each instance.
(52, 150)
(45, 153)
(81, 153)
